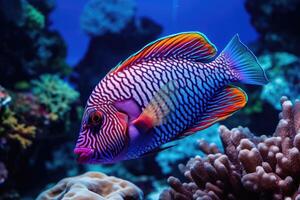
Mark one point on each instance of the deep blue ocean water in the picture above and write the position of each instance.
(218, 19)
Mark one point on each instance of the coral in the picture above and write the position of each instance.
(92, 185)
(4, 97)
(33, 17)
(100, 17)
(11, 128)
(28, 48)
(250, 168)
(179, 153)
(57, 95)
(284, 77)
(158, 186)
(30, 109)
(44, 6)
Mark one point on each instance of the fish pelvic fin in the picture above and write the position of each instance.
(224, 104)
(193, 46)
(243, 63)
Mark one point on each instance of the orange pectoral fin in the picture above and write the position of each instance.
(144, 122)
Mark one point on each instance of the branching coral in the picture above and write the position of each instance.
(100, 17)
(251, 167)
(56, 94)
(11, 128)
(94, 186)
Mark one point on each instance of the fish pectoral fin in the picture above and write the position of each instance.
(158, 108)
(187, 45)
(222, 105)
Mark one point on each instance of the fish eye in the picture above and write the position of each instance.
(95, 118)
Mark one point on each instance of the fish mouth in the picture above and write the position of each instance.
(84, 154)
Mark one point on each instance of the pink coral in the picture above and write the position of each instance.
(250, 168)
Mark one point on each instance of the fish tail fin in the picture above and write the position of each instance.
(243, 63)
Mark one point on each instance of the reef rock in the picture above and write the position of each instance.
(100, 16)
(277, 22)
(93, 186)
(28, 47)
(250, 168)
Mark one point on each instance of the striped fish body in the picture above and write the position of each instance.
(170, 89)
(196, 85)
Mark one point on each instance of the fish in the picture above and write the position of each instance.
(170, 89)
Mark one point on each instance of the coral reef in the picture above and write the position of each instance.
(56, 94)
(33, 17)
(36, 107)
(100, 17)
(92, 185)
(28, 47)
(4, 97)
(11, 128)
(250, 168)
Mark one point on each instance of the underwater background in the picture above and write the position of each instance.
(53, 53)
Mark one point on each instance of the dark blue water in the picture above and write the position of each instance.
(219, 20)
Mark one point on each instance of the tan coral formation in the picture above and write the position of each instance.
(250, 167)
(92, 186)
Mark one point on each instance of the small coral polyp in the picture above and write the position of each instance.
(250, 168)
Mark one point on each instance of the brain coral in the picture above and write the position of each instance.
(250, 168)
(92, 186)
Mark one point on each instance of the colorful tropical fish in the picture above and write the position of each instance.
(168, 90)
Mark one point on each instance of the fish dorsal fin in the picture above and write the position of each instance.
(224, 104)
(193, 46)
